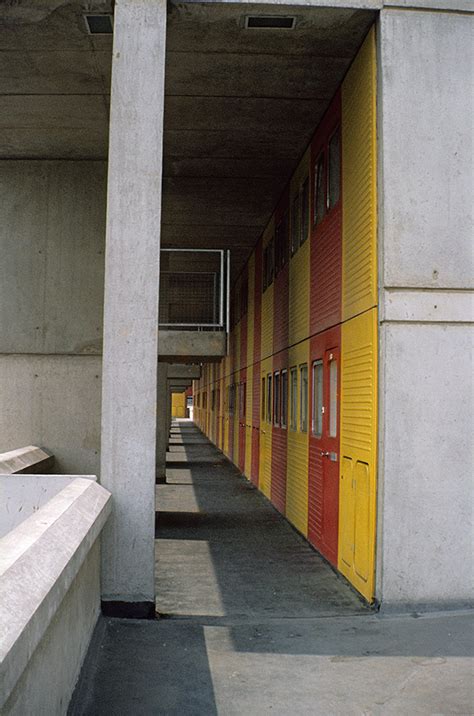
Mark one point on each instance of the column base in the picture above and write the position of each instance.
(129, 610)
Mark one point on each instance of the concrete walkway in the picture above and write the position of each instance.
(253, 621)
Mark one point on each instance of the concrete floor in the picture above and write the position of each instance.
(253, 621)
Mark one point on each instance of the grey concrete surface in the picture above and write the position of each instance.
(53, 401)
(29, 459)
(426, 263)
(131, 300)
(52, 240)
(50, 596)
(254, 621)
(192, 346)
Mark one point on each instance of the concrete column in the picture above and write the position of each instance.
(131, 306)
(425, 515)
(162, 430)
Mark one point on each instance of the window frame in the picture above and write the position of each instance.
(284, 399)
(269, 399)
(304, 210)
(335, 133)
(276, 398)
(314, 408)
(293, 418)
(320, 161)
(303, 368)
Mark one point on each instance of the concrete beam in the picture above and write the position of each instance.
(30, 459)
(129, 395)
(182, 371)
(192, 346)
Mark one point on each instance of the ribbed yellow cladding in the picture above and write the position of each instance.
(178, 405)
(248, 363)
(265, 473)
(299, 269)
(297, 456)
(359, 214)
(357, 494)
(267, 303)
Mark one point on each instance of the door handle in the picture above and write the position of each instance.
(324, 453)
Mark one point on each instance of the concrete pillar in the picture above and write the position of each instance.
(425, 515)
(131, 306)
(162, 430)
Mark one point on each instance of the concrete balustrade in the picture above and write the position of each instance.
(49, 586)
(29, 459)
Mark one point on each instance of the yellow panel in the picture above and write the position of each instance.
(267, 303)
(299, 268)
(227, 382)
(297, 456)
(359, 213)
(357, 495)
(265, 473)
(178, 405)
(250, 312)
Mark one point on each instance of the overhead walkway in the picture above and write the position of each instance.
(253, 621)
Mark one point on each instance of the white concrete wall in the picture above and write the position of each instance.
(426, 309)
(52, 238)
(50, 597)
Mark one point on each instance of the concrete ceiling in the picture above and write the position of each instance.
(241, 105)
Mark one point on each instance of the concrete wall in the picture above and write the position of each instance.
(426, 280)
(52, 238)
(49, 596)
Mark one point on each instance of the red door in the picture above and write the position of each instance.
(324, 454)
(242, 423)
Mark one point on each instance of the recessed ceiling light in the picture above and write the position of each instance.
(269, 22)
(99, 24)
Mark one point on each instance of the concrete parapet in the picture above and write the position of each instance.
(49, 592)
(29, 459)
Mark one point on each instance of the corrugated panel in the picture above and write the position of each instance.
(279, 449)
(248, 424)
(299, 267)
(359, 258)
(265, 473)
(251, 312)
(267, 304)
(357, 494)
(297, 456)
(326, 277)
(255, 423)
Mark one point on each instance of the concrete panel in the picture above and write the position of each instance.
(178, 370)
(52, 239)
(193, 346)
(426, 65)
(53, 126)
(427, 473)
(55, 72)
(53, 401)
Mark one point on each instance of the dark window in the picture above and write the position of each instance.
(334, 170)
(271, 262)
(295, 224)
(319, 197)
(284, 398)
(244, 298)
(304, 211)
(269, 398)
(276, 399)
(281, 244)
(262, 398)
(264, 269)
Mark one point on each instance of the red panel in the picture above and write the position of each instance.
(257, 317)
(326, 239)
(279, 448)
(323, 486)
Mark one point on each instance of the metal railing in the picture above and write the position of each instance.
(194, 289)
